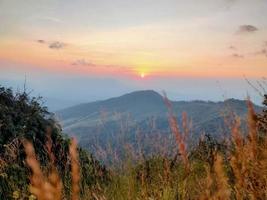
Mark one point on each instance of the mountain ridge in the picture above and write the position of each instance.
(105, 121)
(135, 99)
(144, 104)
(151, 92)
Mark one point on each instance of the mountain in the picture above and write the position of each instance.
(145, 112)
(139, 104)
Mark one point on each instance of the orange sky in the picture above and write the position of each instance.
(160, 38)
(132, 62)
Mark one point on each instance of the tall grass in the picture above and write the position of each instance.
(48, 186)
(238, 172)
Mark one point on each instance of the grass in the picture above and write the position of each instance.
(49, 186)
(235, 169)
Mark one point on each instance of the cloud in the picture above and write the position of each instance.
(236, 55)
(232, 47)
(57, 45)
(247, 29)
(262, 52)
(52, 19)
(82, 62)
(52, 45)
(41, 41)
(86, 63)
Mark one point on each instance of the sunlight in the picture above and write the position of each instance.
(142, 75)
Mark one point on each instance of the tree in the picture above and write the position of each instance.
(23, 117)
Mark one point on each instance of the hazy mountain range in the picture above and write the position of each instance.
(145, 113)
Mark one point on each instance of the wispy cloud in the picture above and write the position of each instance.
(52, 45)
(231, 47)
(82, 62)
(236, 55)
(57, 45)
(41, 41)
(86, 63)
(52, 19)
(262, 52)
(247, 29)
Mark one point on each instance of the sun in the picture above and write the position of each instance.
(142, 75)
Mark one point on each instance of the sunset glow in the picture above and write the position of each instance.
(142, 75)
(125, 41)
(180, 44)
(133, 99)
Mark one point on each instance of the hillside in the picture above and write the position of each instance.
(144, 112)
(48, 165)
(24, 119)
(139, 104)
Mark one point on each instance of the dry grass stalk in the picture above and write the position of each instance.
(75, 170)
(252, 127)
(248, 161)
(50, 188)
(180, 137)
(42, 188)
(217, 186)
(53, 176)
(207, 188)
(223, 191)
(238, 159)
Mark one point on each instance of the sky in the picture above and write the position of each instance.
(84, 50)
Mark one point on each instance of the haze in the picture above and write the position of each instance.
(84, 50)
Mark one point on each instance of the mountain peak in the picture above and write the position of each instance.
(144, 93)
(138, 103)
(141, 98)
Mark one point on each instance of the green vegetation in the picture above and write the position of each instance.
(232, 168)
(23, 118)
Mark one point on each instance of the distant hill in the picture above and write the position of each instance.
(105, 121)
(140, 104)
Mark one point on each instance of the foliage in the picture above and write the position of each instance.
(232, 168)
(22, 117)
